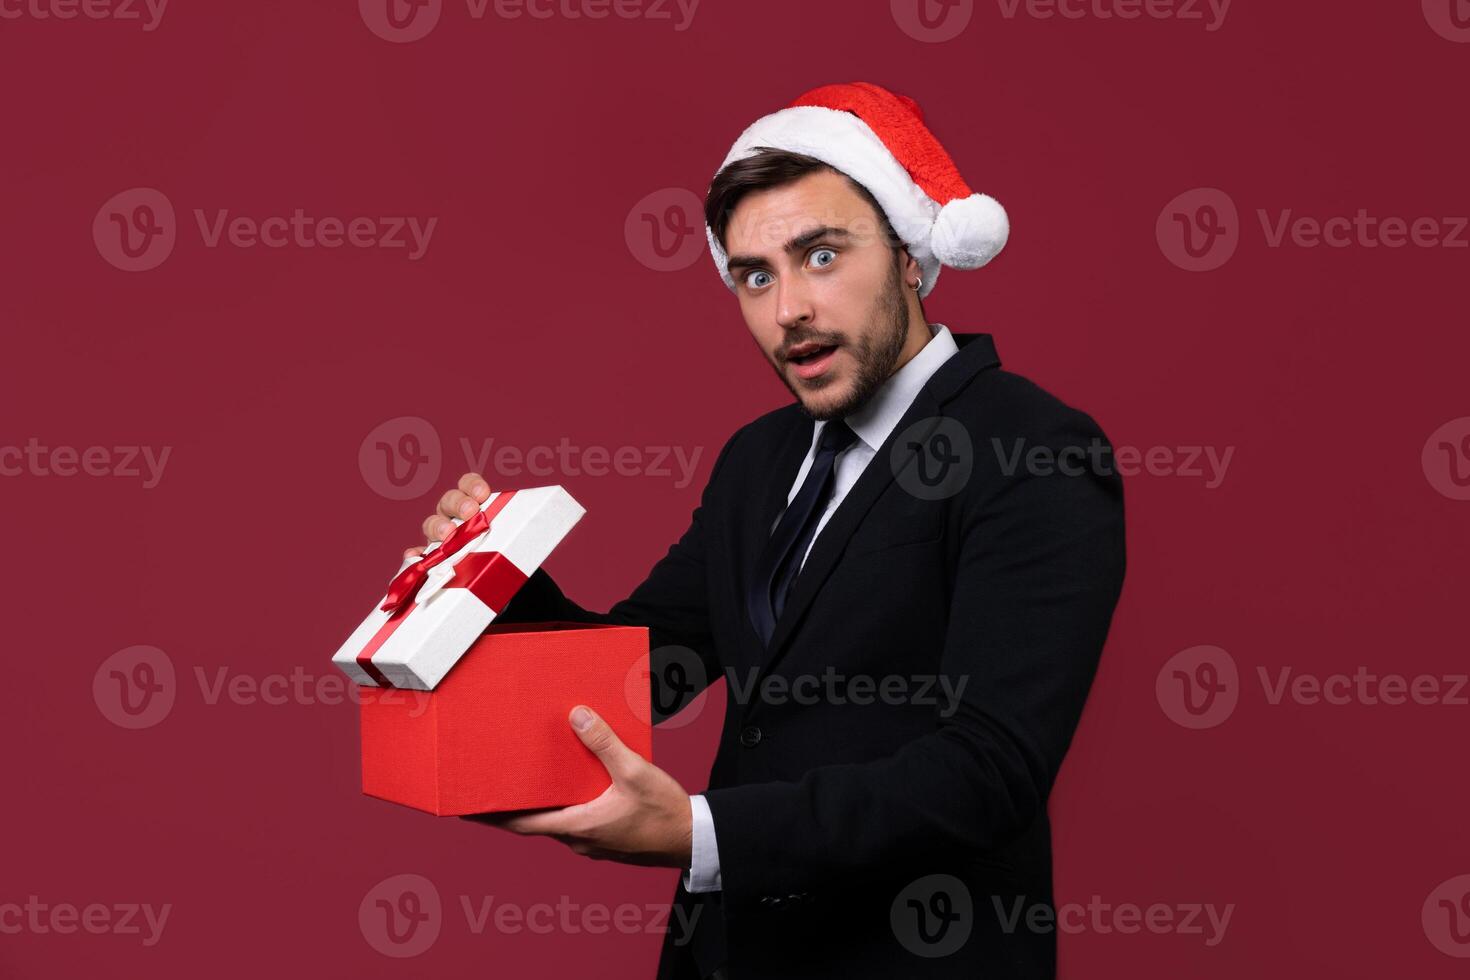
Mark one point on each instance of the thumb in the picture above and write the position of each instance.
(597, 735)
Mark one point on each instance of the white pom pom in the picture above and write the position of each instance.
(970, 231)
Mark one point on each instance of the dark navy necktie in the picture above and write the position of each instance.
(781, 559)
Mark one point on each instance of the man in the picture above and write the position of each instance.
(906, 577)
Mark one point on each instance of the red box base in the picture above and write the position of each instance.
(494, 735)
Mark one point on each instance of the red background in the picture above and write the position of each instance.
(1326, 548)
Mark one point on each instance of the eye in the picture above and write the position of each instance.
(817, 257)
(753, 280)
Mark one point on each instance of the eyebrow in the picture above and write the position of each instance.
(796, 244)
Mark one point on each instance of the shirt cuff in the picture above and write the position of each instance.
(704, 870)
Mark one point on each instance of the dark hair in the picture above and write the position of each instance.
(766, 169)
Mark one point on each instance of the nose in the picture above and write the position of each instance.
(793, 303)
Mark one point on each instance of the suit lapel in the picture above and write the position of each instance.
(976, 353)
(785, 461)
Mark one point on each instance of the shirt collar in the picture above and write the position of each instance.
(876, 419)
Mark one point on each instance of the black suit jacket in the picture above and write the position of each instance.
(889, 832)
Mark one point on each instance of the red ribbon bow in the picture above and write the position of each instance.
(405, 584)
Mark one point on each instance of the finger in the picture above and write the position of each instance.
(621, 762)
(413, 552)
(474, 485)
(455, 503)
(546, 822)
(435, 528)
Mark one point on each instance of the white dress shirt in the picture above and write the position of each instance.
(872, 423)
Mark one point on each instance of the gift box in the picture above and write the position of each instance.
(439, 603)
(494, 734)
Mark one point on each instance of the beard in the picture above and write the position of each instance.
(875, 354)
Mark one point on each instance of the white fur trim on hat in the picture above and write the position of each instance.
(970, 231)
(843, 141)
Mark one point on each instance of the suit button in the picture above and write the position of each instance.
(750, 736)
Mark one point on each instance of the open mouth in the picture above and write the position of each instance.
(811, 360)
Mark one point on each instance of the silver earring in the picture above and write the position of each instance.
(919, 283)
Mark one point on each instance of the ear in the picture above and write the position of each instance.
(909, 267)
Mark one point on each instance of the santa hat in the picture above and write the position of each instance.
(879, 139)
